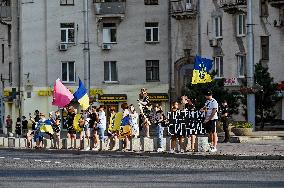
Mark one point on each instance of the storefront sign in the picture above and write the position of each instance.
(158, 96)
(7, 93)
(112, 98)
(49, 91)
(231, 82)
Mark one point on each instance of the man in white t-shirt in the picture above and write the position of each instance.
(211, 118)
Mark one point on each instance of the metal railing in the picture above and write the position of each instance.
(105, 8)
(224, 3)
(182, 6)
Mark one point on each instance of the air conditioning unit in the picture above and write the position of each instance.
(213, 42)
(63, 47)
(106, 46)
(188, 6)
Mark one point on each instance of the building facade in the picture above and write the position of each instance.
(132, 44)
(217, 30)
(128, 50)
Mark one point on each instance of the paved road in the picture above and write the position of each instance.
(25, 169)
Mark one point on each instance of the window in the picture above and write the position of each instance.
(152, 70)
(217, 27)
(264, 47)
(241, 66)
(218, 66)
(152, 32)
(241, 25)
(151, 2)
(110, 71)
(68, 71)
(109, 33)
(67, 32)
(263, 8)
(10, 72)
(3, 53)
(66, 2)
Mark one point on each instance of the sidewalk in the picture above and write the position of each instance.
(262, 145)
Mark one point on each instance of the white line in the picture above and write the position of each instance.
(57, 162)
(2, 157)
(47, 161)
(16, 158)
(38, 160)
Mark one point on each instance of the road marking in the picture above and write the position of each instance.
(38, 160)
(57, 162)
(16, 158)
(47, 161)
(2, 157)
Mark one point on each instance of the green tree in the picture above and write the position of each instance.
(220, 93)
(265, 97)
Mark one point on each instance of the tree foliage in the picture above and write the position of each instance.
(220, 93)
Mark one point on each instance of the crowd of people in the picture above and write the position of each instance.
(92, 124)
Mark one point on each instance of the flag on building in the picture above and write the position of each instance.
(61, 95)
(201, 70)
(82, 96)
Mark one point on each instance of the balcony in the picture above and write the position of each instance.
(276, 3)
(233, 6)
(183, 9)
(5, 12)
(110, 9)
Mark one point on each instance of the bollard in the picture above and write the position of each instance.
(11, 142)
(103, 145)
(147, 144)
(135, 144)
(168, 143)
(5, 144)
(202, 144)
(1, 141)
(22, 142)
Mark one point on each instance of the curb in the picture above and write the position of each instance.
(196, 156)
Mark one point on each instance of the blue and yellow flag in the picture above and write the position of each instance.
(82, 96)
(201, 70)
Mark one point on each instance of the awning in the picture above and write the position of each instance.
(112, 98)
(158, 97)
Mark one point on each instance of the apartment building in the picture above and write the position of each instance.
(217, 29)
(128, 50)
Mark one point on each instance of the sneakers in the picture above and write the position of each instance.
(159, 150)
(213, 149)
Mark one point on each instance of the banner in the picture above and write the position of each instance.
(186, 122)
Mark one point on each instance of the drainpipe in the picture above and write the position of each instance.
(19, 55)
(170, 52)
(199, 28)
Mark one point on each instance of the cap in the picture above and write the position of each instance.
(208, 93)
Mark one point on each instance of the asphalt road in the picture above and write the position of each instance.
(40, 170)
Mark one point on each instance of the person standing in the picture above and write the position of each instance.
(159, 122)
(188, 105)
(211, 118)
(101, 125)
(71, 112)
(18, 127)
(133, 120)
(224, 110)
(92, 124)
(9, 123)
(24, 125)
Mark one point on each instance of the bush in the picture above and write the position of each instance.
(242, 124)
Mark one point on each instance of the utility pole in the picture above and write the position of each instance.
(86, 49)
(250, 65)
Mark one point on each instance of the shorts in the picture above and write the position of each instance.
(210, 126)
(71, 131)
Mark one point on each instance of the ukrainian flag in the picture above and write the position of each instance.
(201, 70)
(82, 96)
